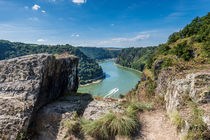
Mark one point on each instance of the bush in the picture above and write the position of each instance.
(150, 89)
(167, 62)
(198, 129)
(206, 49)
(110, 125)
(174, 37)
(183, 50)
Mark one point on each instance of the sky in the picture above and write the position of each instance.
(100, 23)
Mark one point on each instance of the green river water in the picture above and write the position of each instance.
(118, 80)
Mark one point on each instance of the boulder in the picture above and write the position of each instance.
(27, 83)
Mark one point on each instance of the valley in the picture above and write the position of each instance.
(132, 81)
(117, 77)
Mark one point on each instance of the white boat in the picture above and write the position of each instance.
(112, 92)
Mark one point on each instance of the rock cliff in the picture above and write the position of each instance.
(27, 83)
(178, 87)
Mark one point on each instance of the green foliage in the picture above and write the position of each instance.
(176, 120)
(199, 28)
(134, 107)
(183, 50)
(88, 68)
(206, 49)
(150, 88)
(198, 129)
(110, 125)
(99, 53)
(174, 37)
(135, 58)
(167, 62)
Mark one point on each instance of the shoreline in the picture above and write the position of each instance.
(99, 79)
(128, 68)
(93, 82)
(110, 59)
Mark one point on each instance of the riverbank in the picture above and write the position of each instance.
(110, 59)
(127, 68)
(93, 82)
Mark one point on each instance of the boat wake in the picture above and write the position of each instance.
(111, 92)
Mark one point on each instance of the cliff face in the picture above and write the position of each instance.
(27, 83)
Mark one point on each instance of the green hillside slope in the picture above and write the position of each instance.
(135, 58)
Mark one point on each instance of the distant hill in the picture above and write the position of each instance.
(190, 46)
(135, 58)
(88, 68)
(100, 53)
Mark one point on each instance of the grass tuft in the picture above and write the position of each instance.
(110, 125)
(176, 120)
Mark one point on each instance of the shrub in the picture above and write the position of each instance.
(110, 125)
(183, 50)
(206, 49)
(174, 37)
(150, 89)
(167, 62)
(198, 129)
(74, 127)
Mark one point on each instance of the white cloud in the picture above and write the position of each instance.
(75, 35)
(137, 38)
(112, 25)
(79, 1)
(40, 40)
(43, 11)
(36, 7)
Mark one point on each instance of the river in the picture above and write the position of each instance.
(119, 80)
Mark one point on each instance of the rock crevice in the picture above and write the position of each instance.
(27, 83)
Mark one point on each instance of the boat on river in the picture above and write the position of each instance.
(112, 92)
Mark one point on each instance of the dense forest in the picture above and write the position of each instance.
(100, 53)
(135, 58)
(88, 68)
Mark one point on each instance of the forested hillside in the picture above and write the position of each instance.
(135, 58)
(190, 46)
(88, 68)
(100, 53)
(176, 78)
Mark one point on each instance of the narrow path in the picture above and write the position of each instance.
(156, 126)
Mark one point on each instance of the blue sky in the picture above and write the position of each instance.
(108, 23)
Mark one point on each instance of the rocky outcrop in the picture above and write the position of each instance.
(52, 119)
(50, 123)
(193, 86)
(178, 88)
(27, 83)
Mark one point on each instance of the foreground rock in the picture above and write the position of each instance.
(27, 83)
(52, 119)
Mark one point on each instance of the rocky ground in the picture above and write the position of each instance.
(51, 119)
